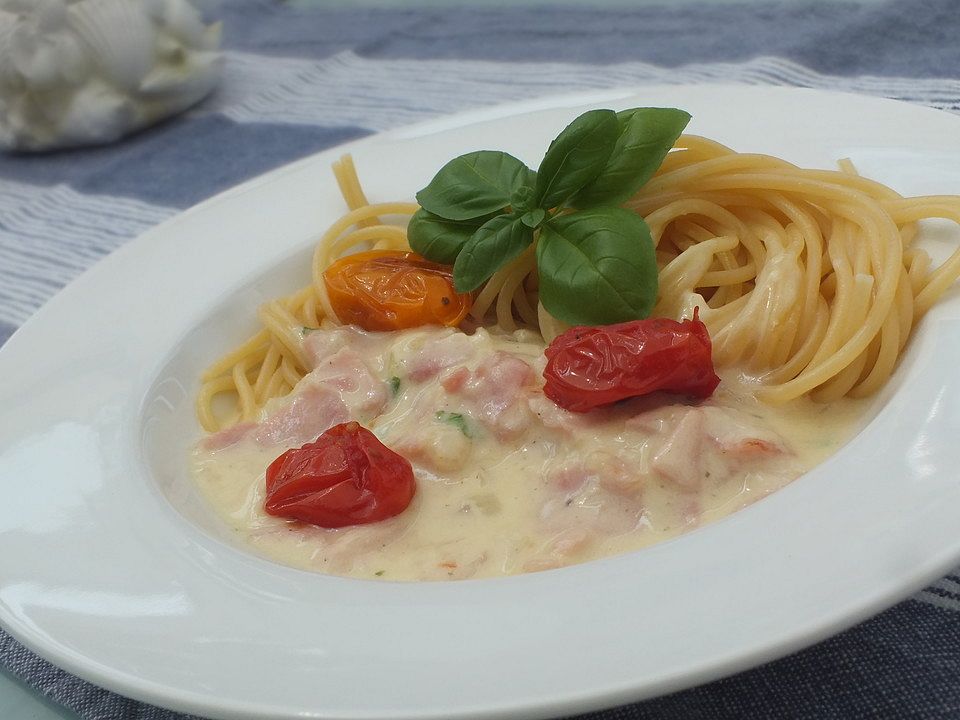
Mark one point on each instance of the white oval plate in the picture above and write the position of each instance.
(113, 569)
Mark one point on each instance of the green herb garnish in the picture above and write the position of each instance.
(595, 260)
(378, 573)
(455, 419)
(394, 383)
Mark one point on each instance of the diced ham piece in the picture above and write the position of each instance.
(599, 467)
(497, 392)
(655, 419)
(438, 354)
(230, 436)
(750, 448)
(556, 418)
(340, 388)
(318, 345)
(679, 458)
(693, 443)
(454, 380)
(321, 344)
(315, 409)
(587, 497)
(735, 434)
(346, 372)
(692, 512)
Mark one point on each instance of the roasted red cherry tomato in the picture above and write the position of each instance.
(588, 367)
(393, 290)
(345, 477)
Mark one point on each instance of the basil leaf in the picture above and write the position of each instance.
(646, 136)
(597, 267)
(576, 157)
(474, 185)
(524, 197)
(437, 239)
(492, 246)
(534, 218)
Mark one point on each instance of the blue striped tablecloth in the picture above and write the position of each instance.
(299, 79)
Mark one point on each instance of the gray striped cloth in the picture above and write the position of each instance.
(303, 78)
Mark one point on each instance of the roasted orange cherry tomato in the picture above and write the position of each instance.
(588, 367)
(345, 477)
(393, 290)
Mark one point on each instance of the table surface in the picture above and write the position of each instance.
(20, 702)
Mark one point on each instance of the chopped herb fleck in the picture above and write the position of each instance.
(306, 330)
(378, 573)
(394, 383)
(455, 419)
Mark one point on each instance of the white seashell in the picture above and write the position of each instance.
(212, 36)
(165, 79)
(97, 114)
(183, 22)
(47, 15)
(8, 23)
(119, 36)
(94, 70)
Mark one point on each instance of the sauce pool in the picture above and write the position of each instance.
(507, 482)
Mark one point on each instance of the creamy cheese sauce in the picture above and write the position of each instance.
(507, 482)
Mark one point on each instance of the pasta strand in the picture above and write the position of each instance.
(808, 280)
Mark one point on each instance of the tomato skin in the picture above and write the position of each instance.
(588, 367)
(393, 290)
(345, 477)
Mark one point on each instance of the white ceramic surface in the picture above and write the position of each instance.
(112, 568)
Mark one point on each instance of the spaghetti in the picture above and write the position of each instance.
(808, 280)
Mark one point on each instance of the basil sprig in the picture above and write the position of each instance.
(595, 260)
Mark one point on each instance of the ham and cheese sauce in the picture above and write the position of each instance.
(507, 482)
